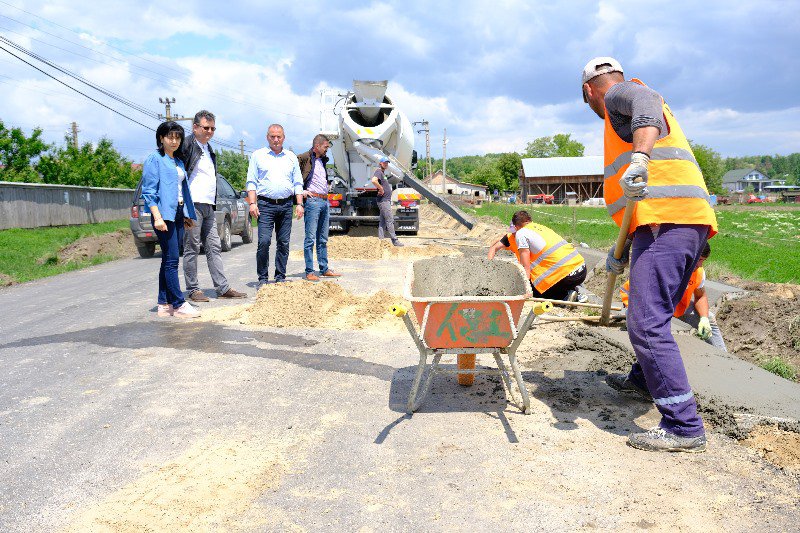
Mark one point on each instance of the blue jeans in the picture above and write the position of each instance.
(316, 219)
(169, 286)
(660, 271)
(279, 218)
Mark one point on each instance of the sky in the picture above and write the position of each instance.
(495, 74)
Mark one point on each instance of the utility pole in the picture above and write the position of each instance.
(426, 128)
(241, 146)
(75, 131)
(444, 161)
(168, 110)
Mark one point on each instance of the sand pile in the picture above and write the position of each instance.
(779, 447)
(373, 249)
(437, 223)
(326, 305)
(117, 244)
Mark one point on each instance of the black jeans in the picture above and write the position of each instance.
(278, 217)
(560, 290)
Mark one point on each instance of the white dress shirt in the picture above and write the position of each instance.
(203, 181)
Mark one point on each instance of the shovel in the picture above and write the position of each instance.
(612, 278)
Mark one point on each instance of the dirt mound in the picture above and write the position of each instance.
(326, 305)
(764, 323)
(117, 244)
(374, 249)
(437, 223)
(6, 280)
(779, 447)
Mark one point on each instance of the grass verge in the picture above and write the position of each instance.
(758, 244)
(30, 254)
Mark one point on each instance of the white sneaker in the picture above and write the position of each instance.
(165, 310)
(186, 311)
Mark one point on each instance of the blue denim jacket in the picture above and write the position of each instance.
(160, 187)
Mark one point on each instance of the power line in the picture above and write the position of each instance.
(183, 82)
(76, 33)
(71, 74)
(74, 89)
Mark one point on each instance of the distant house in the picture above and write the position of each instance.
(740, 179)
(137, 166)
(582, 176)
(438, 183)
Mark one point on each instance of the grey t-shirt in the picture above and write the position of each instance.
(631, 106)
(387, 189)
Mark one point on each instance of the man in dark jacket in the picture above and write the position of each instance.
(201, 168)
(315, 194)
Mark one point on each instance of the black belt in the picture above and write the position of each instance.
(279, 201)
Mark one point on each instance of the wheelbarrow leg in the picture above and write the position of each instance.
(504, 374)
(523, 390)
(413, 402)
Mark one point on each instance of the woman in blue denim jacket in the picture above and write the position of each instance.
(165, 190)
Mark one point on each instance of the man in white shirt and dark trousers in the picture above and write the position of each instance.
(201, 167)
(273, 182)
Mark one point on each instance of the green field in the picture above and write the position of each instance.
(754, 242)
(30, 254)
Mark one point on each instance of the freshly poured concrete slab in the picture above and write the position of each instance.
(741, 386)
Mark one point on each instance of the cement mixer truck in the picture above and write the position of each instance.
(364, 125)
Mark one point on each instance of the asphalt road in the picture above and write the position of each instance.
(109, 415)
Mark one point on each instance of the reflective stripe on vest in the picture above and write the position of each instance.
(553, 263)
(676, 190)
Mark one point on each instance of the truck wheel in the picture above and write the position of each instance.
(247, 234)
(146, 249)
(225, 238)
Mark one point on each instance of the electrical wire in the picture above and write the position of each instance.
(74, 89)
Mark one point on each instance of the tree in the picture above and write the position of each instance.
(487, 173)
(233, 166)
(18, 152)
(88, 166)
(540, 147)
(711, 166)
(559, 145)
(566, 147)
(509, 166)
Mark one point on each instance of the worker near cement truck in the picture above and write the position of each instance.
(555, 267)
(693, 309)
(648, 160)
(386, 219)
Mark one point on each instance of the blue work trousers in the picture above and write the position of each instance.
(661, 267)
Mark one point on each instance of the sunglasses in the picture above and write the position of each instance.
(208, 128)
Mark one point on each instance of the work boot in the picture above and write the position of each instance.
(398, 243)
(660, 440)
(230, 293)
(198, 296)
(621, 383)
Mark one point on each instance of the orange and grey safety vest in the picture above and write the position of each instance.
(676, 190)
(554, 262)
(696, 280)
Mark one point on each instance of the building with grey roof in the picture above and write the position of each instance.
(557, 176)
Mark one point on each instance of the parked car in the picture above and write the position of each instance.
(753, 199)
(541, 198)
(233, 218)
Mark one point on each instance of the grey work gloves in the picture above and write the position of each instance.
(617, 266)
(634, 180)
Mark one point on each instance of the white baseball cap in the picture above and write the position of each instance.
(598, 66)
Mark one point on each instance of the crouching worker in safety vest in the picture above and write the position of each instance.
(693, 309)
(648, 161)
(555, 267)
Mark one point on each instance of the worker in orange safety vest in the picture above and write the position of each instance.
(555, 267)
(648, 161)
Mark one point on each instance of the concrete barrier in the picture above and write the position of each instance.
(32, 205)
